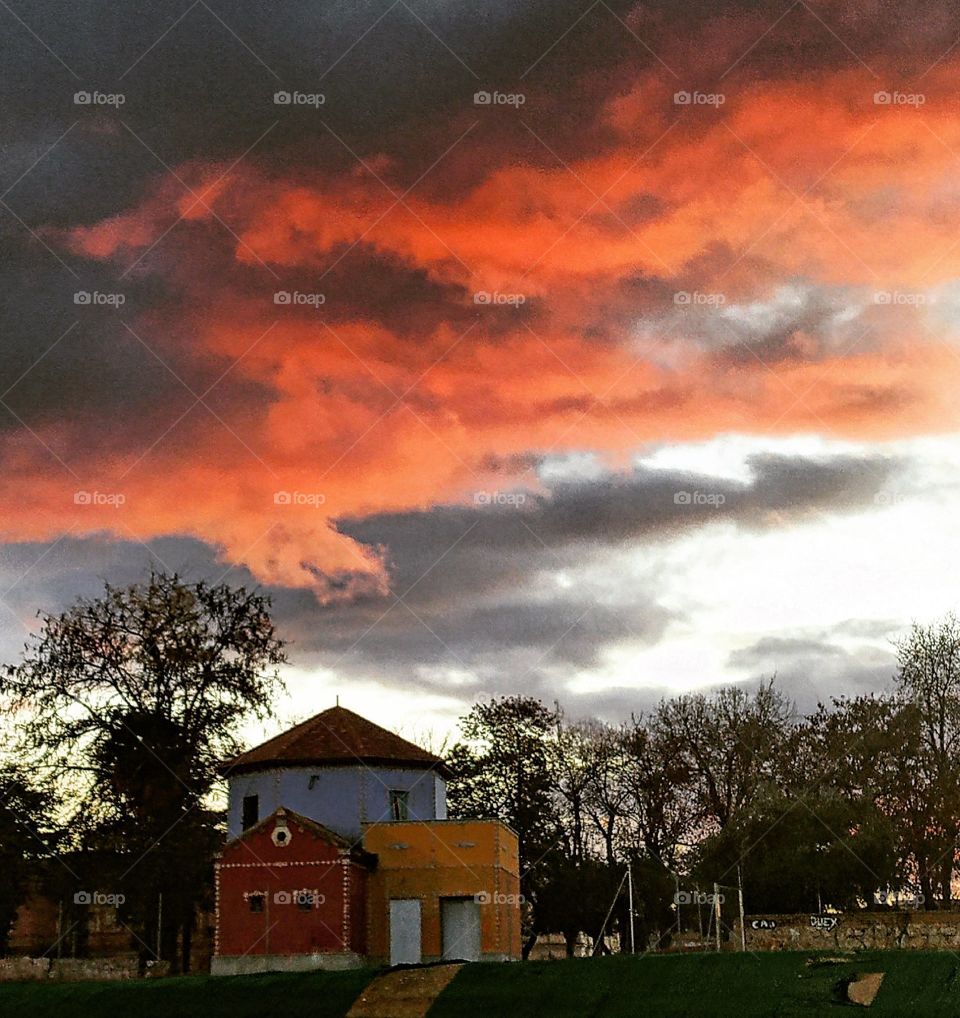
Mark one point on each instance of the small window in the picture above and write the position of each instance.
(399, 805)
(256, 902)
(251, 811)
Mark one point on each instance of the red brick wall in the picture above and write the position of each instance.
(307, 863)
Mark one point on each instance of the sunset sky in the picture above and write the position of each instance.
(639, 377)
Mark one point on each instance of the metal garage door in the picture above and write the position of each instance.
(405, 935)
(460, 920)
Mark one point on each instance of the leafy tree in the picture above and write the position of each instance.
(653, 890)
(798, 854)
(138, 696)
(929, 680)
(502, 768)
(574, 897)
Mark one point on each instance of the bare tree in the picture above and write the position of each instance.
(729, 741)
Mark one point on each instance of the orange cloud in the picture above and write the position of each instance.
(807, 180)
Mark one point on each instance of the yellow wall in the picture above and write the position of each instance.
(445, 858)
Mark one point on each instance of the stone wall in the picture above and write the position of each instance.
(21, 970)
(857, 931)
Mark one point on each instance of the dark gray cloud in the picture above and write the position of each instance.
(500, 591)
(621, 507)
(493, 598)
(813, 668)
(48, 577)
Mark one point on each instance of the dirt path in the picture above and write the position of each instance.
(403, 993)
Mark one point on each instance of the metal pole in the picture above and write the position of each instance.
(630, 897)
(676, 880)
(613, 905)
(159, 922)
(743, 923)
(59, 928)
(716, 907)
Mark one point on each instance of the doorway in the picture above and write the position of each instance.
(460, 923)
(405, 931)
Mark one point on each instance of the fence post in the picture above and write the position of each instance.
(630, 898)
(716, 909)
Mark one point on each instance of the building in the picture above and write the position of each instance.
(339, 769)
(455, 884)
(341, 853)
(290, 888)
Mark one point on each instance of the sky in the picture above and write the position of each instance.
(589, 351)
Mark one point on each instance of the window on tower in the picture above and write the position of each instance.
(399, 805)
(251, 810)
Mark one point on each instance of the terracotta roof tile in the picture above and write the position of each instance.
(334, 737)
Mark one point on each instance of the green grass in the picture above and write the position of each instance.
(778, 985)
(298, 995)
(775, 985)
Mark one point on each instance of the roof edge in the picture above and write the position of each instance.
(229, 769)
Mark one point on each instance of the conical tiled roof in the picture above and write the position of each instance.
(334, 737)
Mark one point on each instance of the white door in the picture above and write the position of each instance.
(405, 935)
(460, 921)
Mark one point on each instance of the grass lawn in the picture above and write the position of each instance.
(777, 985)
(917, 984)
(299, 995)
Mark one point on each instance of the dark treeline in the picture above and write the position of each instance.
(856, 805)
(125, 706)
